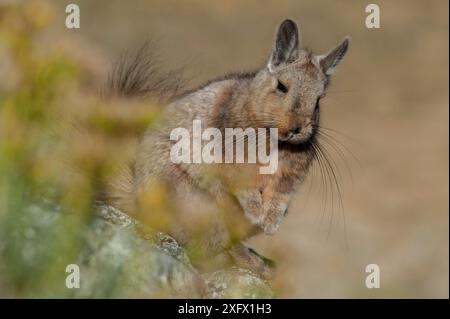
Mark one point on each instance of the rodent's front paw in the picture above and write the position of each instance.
(271, 224)
(273, 217)
(251, 203)
(255, 216)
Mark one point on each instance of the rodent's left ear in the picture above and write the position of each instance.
(328, 62)
(286, 45)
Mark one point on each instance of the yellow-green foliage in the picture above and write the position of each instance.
(59, 142)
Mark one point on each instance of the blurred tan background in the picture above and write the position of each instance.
(388, 103)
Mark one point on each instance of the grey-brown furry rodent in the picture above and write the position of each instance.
(217, 206)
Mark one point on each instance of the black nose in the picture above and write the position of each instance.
(295, 130)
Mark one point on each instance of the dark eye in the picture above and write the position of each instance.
(281, 87)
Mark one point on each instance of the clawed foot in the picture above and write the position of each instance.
(248, 258)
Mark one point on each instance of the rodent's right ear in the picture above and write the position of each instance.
(328, 62)
(286, 45)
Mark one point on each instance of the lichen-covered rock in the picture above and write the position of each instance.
(124, 259)
(236, 283)
(118, 257)
(127, 259)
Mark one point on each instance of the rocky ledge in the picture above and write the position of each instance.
(125, 259)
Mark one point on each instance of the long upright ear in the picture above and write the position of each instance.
(286, 45)
(329, 61)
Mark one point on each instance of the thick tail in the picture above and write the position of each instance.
(139, 75)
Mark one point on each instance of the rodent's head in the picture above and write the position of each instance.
(286, 93)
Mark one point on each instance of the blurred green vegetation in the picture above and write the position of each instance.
(58, 144)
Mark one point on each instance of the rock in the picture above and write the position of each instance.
(125, 259)
(118, 262)
(117, 256)
(236, 283)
